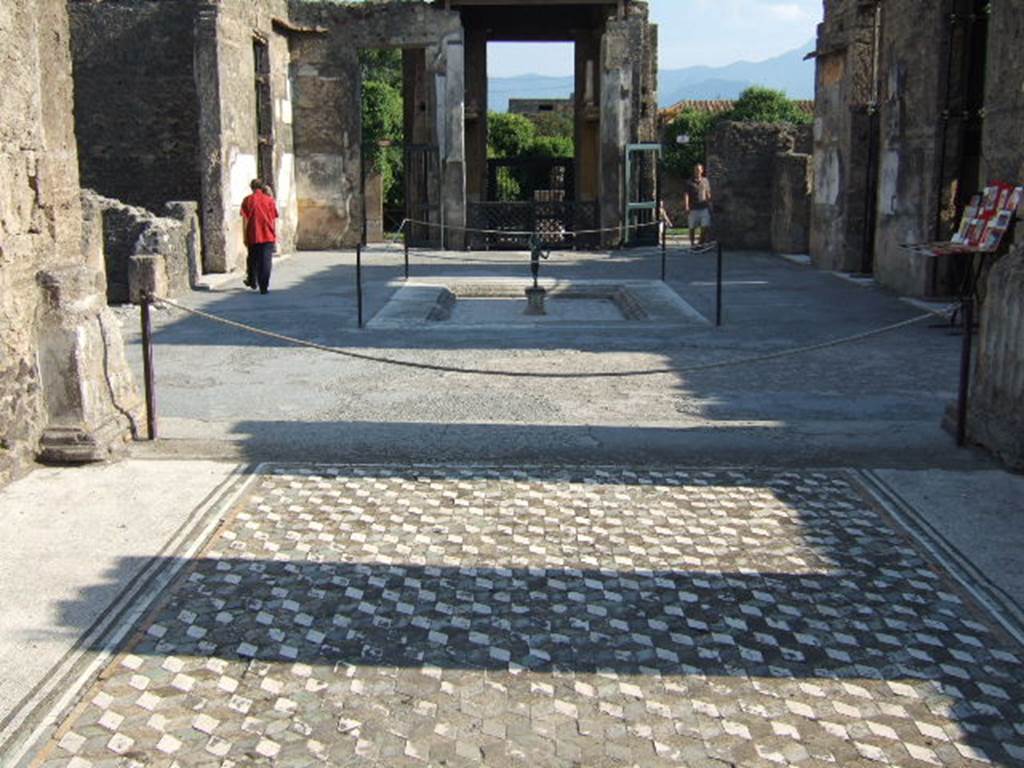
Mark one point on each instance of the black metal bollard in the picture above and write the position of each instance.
(149, 381)
(718, 289)
(966, 353)
(664, 249)
(359, 283)
(405, 239)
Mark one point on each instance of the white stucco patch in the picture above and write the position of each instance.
(243, 171)
(285, 183)
(888, 185)
(826, 177)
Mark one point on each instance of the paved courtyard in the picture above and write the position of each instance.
(226, 394)
(559, 617)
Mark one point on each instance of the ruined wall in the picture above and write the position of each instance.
(328, 129)
(136, 107)
(65, 390)
(228, 139)
(143, 251)
(997, 414)
(741, 160)
(844, 87)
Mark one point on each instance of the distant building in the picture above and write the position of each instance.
(534, 107)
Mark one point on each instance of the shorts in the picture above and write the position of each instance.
(699, 217)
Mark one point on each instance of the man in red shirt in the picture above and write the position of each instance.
(259, 212)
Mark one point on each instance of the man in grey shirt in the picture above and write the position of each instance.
(697, 202)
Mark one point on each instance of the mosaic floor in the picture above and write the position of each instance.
(450, 617)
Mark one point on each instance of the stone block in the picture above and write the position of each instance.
(792, 188)
(147, 274)
(187, 213)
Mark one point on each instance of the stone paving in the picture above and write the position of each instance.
(451, 617)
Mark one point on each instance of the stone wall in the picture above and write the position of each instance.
(143, 251)
(996, 418)
(65, 391)
(327, 116)
(844, 87)
(166, 100)
(228, 142)
(997, 397)
(136, 107)
(910, 157)
(741, 166)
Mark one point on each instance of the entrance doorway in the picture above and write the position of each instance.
(528, 182)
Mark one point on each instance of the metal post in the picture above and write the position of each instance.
(359, 283)
(664, 248)
(405, 238)
(147, 365)
(718, 288)
(965, 371)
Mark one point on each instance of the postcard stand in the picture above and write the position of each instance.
(981, 234)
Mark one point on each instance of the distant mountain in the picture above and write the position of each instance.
(788, 72)
(501, 89)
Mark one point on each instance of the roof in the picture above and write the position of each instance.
(717, 106)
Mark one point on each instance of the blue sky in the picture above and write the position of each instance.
(712, 32)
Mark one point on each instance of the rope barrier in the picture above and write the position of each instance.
(437, 368)
(524, 233)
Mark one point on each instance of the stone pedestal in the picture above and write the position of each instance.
(91, 403)
(535, 301)
(373, 194)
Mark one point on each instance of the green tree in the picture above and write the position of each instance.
(685, 139)
(383, 118)
(383, 64)
(561, 124)
(764, 105)
(509, 135)
(755, 105)
(552, 146)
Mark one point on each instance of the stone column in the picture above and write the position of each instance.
(476, 115)
(215, 249)
(421, 153)
(452, 120)
(616, 118)
(588, 114)
(996, 420)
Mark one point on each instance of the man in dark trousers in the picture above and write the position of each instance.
(259, 212)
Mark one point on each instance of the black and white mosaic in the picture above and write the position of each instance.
(449, 617)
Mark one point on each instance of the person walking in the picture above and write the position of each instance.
(259, 213)
(697, 202)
